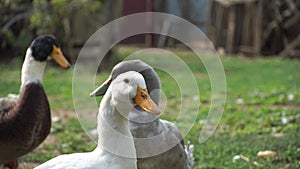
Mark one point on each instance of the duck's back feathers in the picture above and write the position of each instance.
(90, 160)
(171, 148)
(6, 104)
(26, 124)
(175, 158)
(68, 161)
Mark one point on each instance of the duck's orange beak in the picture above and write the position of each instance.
(143, 99)
(59, 58)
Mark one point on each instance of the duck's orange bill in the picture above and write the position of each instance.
(143, 99)
(59, 58)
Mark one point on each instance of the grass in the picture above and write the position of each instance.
(262, 112)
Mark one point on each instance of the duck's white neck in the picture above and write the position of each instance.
(114, 135)
(32, 70)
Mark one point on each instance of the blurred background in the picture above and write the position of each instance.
(249, 27)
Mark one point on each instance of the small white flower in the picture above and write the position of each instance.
(290, 97)
(238, 157)
(202, 121)
(64, 145)
(55, 119)
(195, 98)
(235, 158)
(239, 101)
(284, 120)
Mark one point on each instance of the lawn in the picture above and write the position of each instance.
(262, 112)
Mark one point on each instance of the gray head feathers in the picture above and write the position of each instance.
(150, 76)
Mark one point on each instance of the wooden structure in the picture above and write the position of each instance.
(256, 27)
(137, 6)
(251, 27)
(236, 25)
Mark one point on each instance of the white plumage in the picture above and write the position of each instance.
(115, 148)
(167, 150)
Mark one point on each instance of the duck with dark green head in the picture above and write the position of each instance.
(25, 121)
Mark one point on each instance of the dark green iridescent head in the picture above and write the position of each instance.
(42, 47)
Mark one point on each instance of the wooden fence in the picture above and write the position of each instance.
(257, 27)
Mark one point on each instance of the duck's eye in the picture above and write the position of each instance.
(144, 96)
(126, 80)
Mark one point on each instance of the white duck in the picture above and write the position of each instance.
(115, 148)
(144, 125)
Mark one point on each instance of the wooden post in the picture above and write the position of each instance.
(258, 27)
(230, 29)
(246, 33)
(219, 24)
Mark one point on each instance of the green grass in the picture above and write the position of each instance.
(268, 88)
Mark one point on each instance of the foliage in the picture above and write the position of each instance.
(12, 16)
(21, 20)
(49, 17)
(19, 42)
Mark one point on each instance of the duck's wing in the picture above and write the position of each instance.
(89, 160)
(178, 156)
(171, 127)
(188, 148)
(71, 161)
(7, 103)
(58, 162)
